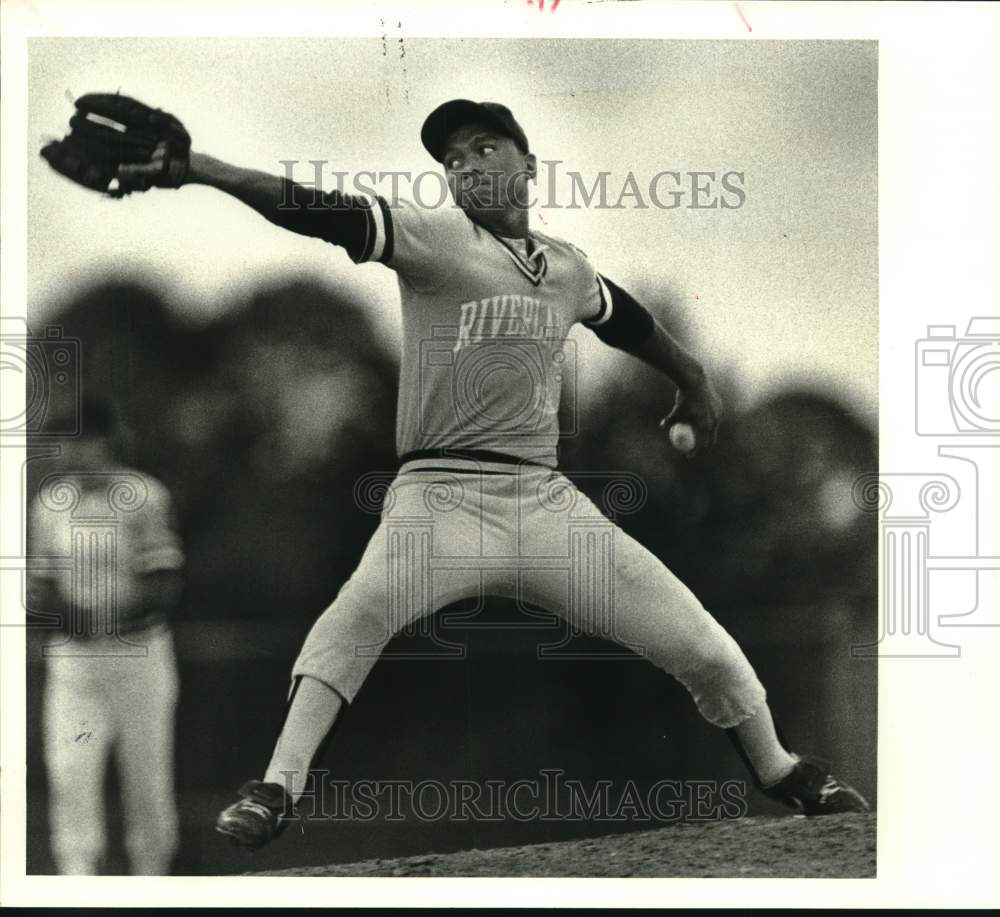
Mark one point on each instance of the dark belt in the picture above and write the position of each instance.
(474, 455)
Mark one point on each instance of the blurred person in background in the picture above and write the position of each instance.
(104, 571)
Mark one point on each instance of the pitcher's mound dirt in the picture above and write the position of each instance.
(835, 846)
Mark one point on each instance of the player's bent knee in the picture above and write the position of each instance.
(724, 686)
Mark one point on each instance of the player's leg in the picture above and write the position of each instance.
(392, 587)
(757, 741)
(341, 649)
(619, 590)
(147, 710)
(78, 734)
(330, 669)
(431, 519)
(312, 710)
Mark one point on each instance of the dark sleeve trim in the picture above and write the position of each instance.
(378, 232)
(604, 313)
(371, 236)
(387, 231)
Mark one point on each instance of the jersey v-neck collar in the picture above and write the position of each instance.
(534, 266)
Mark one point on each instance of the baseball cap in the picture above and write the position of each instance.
(452, 115)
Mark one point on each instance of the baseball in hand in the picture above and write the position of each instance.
(682, 437)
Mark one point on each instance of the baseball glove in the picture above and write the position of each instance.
(114, 138)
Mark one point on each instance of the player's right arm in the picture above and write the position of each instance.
(622, 322)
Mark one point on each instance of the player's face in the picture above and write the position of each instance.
(487, 174)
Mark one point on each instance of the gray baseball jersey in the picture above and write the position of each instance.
(485, 321)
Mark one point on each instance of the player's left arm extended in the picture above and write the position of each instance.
(627, 325)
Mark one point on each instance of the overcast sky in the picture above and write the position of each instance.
(783, 287)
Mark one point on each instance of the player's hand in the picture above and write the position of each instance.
(162, 169)
(140, 176)
(700, 407)
(117, 145)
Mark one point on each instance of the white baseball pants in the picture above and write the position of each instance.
(98, 702)
(453, 529)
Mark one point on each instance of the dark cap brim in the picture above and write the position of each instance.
(449, 117)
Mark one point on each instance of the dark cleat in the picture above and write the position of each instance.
(812, 790)
(261, 815)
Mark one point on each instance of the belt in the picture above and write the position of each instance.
(474, 455)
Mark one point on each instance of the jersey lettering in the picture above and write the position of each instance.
(506, 315)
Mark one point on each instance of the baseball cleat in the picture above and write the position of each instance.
(260, 816)
(812, 790)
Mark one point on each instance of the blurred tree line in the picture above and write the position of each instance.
(766, 517)
(261, 421)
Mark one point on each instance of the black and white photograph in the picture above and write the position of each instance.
(520, 449)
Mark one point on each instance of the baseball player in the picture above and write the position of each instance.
(106, 564)
(478, 505)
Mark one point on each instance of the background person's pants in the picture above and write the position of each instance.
(470, 529)
(98, 705)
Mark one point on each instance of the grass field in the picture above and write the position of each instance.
(839, 846)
